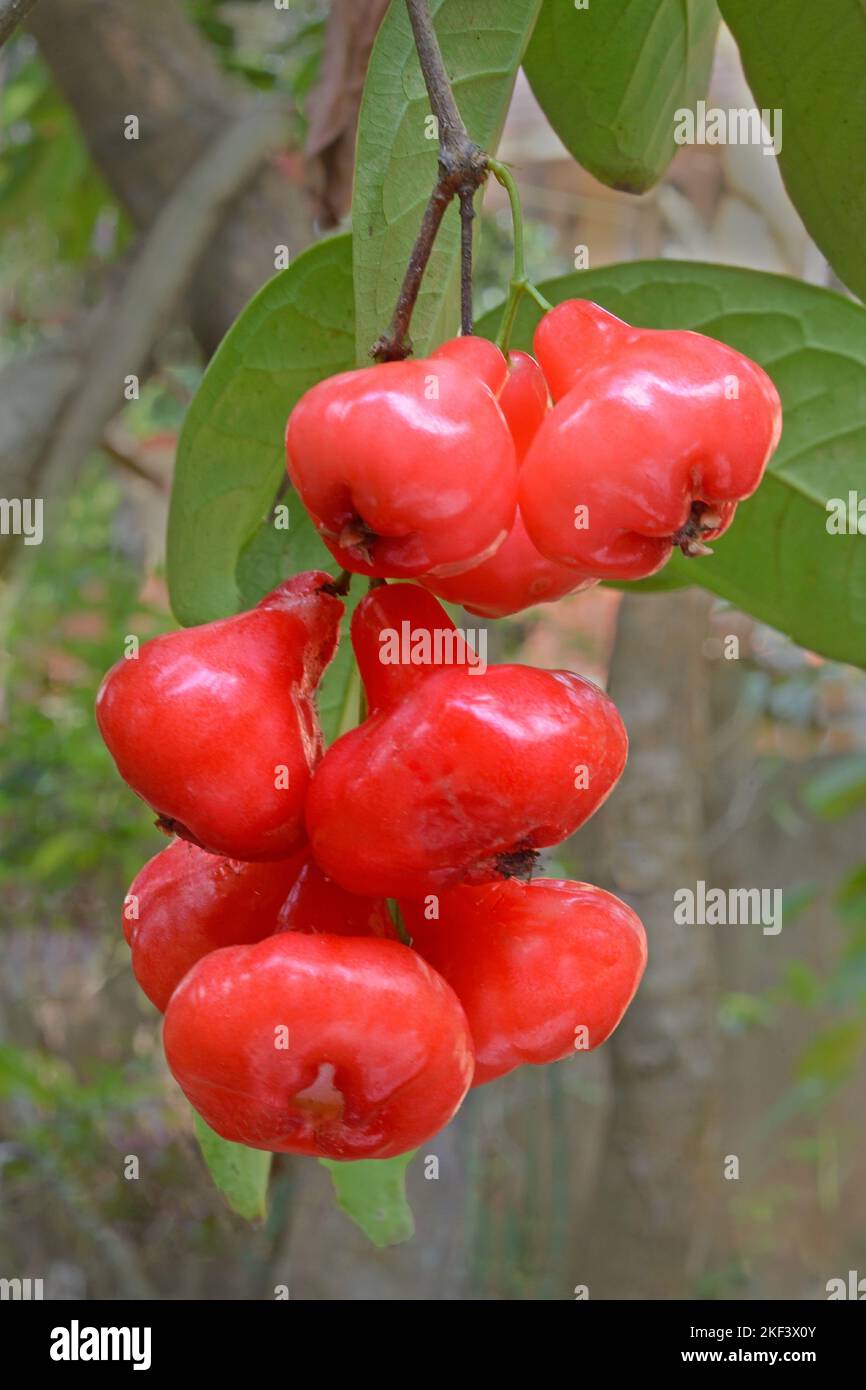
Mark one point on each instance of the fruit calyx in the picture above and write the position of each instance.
(519, 863)
(176, 828)
(704, 520)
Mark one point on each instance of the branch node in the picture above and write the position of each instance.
(463, 168)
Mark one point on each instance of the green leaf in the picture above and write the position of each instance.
(610, 79)
(297, 330)
(241, 1174)
(664, 582)
(808, 62)
(837, 790)
(482, 45)
(372, 1193)
(778, 561)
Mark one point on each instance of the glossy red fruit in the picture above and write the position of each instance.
(185, 903)
(458, 773)
(524, 401)
(318, 906)
(518, 575)
(215, 727)
(335, 1046)
(543, 969)
(654, 439)
(407, 468)
(480, 357)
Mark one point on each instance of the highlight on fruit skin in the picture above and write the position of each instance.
(335, 1047)
(654, 438)
(407, 468)
(215, 727)
(184, 903)
(456, 770)
(544, 970)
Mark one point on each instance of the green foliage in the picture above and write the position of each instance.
(270, 51)
(230, 462)
(65, 817)
(810, 64)
(46, 174)
(224, 552)
(778, 561)
(372, 1193)
(832, 1055)
(482, 43)
(241, 1174)
(611, 77)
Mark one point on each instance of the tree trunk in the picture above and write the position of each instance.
(647, 1235)
(144, 58)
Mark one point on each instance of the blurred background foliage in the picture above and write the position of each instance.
(82, 1083)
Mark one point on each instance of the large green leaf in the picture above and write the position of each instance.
(809, 62)
(611, 77)
(241, 1174)
(778, 561)
(372, 1192)
(297, 330)
(482, 42)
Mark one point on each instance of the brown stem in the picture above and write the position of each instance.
(462, 170)
(132, 464)
(12, 12)
(339, 587)
(467, 217)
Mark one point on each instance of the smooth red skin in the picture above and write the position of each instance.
(530, 963)
(377, 1036)
(318, 906)
(199, 723)
(480, 357)
(524, 401)
(385, 610)
(434, 480)
(641, 430)
(518, 576)
(453, 769)
(190, 903)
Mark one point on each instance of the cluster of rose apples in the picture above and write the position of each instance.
(343, 941)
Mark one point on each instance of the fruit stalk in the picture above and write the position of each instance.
(462, 170)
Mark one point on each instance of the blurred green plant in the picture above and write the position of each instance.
(71, 833)
(269, 49)
(46, 174)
